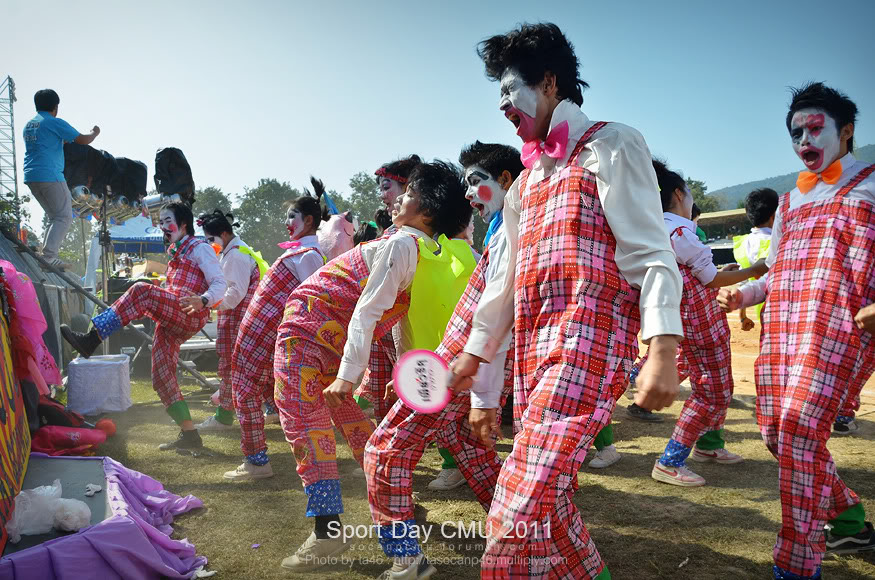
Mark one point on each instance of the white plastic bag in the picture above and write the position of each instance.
(34, 511)
(71, 514)
(39, 510)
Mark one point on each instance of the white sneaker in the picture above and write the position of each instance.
(271, 418)
(418, 570)
(447, 479)
(213, 424)
(248, 472)
(605, 458)
(315, 553)
(721, 456)
(681, 476)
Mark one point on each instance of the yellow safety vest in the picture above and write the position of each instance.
(741, 257)
(438, 284)
(262, 265)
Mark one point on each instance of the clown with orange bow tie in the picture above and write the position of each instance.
(817, 330)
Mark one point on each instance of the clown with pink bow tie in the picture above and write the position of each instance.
(252, 366)
(588, 264)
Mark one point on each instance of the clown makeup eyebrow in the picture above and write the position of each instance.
(476, 173)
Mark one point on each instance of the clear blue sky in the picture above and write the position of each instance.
(287, 89)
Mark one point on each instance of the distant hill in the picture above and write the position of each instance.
(782, 183)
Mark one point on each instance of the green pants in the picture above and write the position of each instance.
(449, 461)
(711, 440)
(850, 522)
(604, 438)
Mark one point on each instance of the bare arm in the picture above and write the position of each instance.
(87, 139)
(728, 277)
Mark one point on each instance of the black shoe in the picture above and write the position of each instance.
(845, 428)
(185, 440)
(643, 414)
(86, 344)
(862, 542)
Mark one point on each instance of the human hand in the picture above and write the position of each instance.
(336, 392)
(657, 385)
(463, 369)
(484, 423)
(747, 324)
(95, 130)
(865, 319)
(390, 394)
(729, 299)
(730, 268)
(191, 303)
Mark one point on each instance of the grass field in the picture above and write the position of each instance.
(643, 529)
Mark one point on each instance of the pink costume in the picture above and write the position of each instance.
(309, 346)
(252, 368)
(811, 352)
(576, 329)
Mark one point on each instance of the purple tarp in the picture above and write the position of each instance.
(134, 543)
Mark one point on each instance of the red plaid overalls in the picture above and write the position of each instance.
(309, 346)
(379, 372)
(252, 367)
(705, 356)
(227, 331)
(811, 352)
(576, 327)
(172, 325)
(397, 445)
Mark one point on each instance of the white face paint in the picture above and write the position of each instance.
(172, 230)
(485, 193)
(295, 224)
(519, 103)
(815, 138)
(389, 191)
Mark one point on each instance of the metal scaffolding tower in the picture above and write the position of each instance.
(8, 165)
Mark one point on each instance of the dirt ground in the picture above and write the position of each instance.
(643, 529)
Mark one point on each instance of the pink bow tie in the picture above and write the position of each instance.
(554, 147)
(289, 245)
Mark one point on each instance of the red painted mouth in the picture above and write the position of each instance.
(812, 157)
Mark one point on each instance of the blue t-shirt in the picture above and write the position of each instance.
(44, 138)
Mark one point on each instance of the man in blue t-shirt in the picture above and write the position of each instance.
(44, 138)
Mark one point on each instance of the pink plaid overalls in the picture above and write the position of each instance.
(172, 325)
(576, 329)
(252, 366)
(309, 346)
(811, 352)
(705, 356)
(227, 331)
(397, 445)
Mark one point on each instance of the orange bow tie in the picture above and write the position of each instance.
(807, 180)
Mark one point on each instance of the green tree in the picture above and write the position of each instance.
(262, 216)
(210, 198)
(365, 197)
(706, 203)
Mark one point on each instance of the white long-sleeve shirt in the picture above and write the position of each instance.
(205, 258)
(237, 268)
(303, 265)
(489, 381)
(688, 248)
(754, 292)
(392, 264)
(629, 195)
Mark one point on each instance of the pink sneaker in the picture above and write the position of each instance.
(681, 476)
(720, 456)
